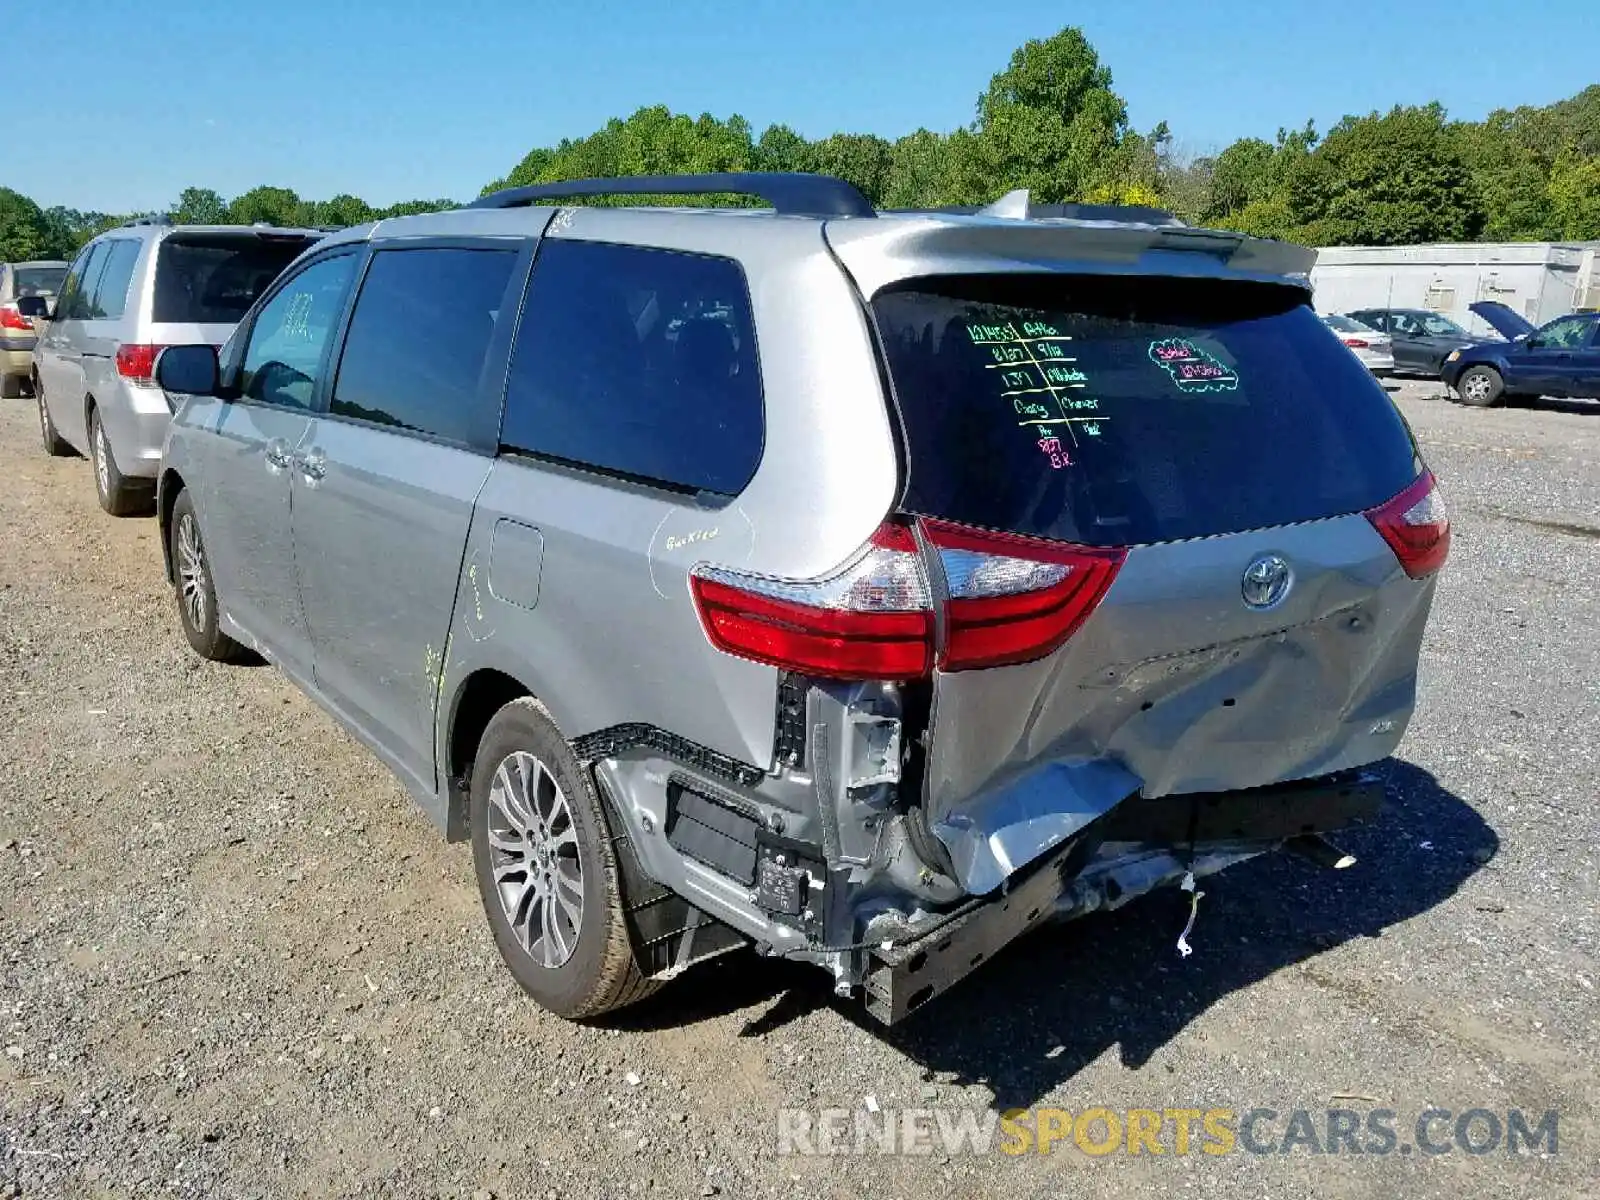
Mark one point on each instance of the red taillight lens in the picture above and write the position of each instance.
(1015, 599)
(10, 318)
(1416, 525)
(137, 364)
(871, 620)
(1355, 343)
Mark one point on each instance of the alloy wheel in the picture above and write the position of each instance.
(102, 459)
(191, 571)
(1476, 388)
(538, 871)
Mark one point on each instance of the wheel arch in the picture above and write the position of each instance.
(168, 487)
(478, 697)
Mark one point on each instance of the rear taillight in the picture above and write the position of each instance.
(137, 363)
(1011, 600)
(1416, 526)
(10, 318)
(871, 620)
(1355, 343)
(1015, 599)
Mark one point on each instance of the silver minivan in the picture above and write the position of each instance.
(862, 588)
(131, 291)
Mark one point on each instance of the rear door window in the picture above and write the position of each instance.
(638, 362)
(419, 336)
(78, 304)
(214, 278)
(110, 298)
(1123, 411)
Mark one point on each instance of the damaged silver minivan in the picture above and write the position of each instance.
(866, 588)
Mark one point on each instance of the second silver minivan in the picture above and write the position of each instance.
(131, 292)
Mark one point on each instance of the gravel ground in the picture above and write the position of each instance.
(234, 960)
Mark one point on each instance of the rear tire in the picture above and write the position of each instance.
(119, 495)
(1480, 386)
(547, 869)
(197, 596)
(54, 445)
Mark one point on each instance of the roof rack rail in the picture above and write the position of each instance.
(791, 193)
(152, 219)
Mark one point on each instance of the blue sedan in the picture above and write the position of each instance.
(1561, 358)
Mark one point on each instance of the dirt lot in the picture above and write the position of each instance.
(234, 961)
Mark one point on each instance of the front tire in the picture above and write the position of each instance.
(197, 596)
(1480, 386)
(119, 495)
(547, 869)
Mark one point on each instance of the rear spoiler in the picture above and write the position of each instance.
(879, 253)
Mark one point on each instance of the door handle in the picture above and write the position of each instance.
(313, 465)
(278, 455)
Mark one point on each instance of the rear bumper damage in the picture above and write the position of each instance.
(1137, 847)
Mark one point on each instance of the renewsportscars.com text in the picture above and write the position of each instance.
(1098, 1131)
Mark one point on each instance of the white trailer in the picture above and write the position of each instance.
(1541, 280)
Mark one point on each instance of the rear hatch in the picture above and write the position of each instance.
(1234, 495)
(206, 280)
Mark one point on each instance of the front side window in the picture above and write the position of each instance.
(1570, 333)
(418, 339)
(291, 333)
(1437, 326)
(110, 299)
(641, 363)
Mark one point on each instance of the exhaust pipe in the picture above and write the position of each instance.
(1313, 847)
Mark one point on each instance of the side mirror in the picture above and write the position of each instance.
(188, 370)
(1532, 341)
(34, 306)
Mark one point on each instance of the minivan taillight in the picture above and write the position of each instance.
(1015, 599)
(1416, 525)
(137, 363)
(10, 318)
(871, 620)
(1011, 600)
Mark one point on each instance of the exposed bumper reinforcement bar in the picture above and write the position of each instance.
(904, 977)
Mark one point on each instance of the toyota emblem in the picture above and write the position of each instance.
(1266, 582)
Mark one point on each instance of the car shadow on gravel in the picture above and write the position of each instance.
(1056, 1001)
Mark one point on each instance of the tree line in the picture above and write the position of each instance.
(1052, 122)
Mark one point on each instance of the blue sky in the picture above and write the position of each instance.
(394, 99)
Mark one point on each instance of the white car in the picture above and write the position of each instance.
(1370, 345)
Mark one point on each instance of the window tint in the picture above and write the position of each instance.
(76, 306)
(72, 284)
(110, 299)
(283, 361)
(214, 278)
(39, 281)
(639, 362)
(1438, 326)
(1122, 411)
(417, 341)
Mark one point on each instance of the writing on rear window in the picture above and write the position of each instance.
(1038, 375)
(1191, 368)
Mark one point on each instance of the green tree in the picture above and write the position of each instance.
(782, 149)
(200, 206)
(1386, 180)
(1574, 193)
(1049, 122)
(272, 205)
(23, 234)
(919, 171)
(859, 158)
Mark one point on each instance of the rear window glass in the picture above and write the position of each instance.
(39, 281)
(1121, 411)
(214, 279)
(638, 362)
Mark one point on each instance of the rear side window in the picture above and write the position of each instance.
(638, 362)
(110, 298)
(418, 338)
(1122, 411)
(213, 279)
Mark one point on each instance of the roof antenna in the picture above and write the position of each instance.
(1013, 206)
